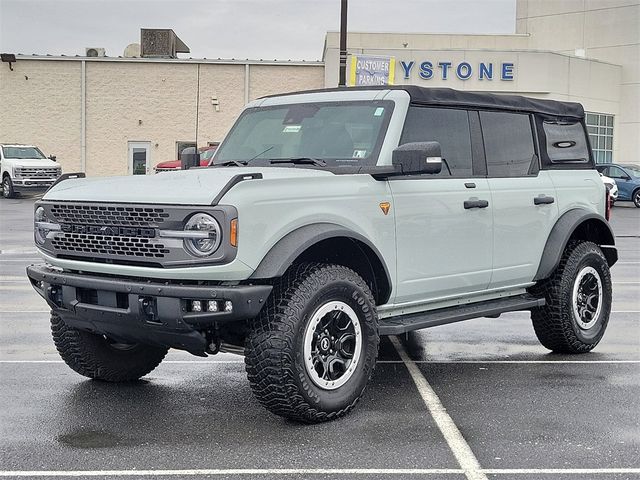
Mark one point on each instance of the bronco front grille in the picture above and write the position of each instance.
(126, 233)
(108, 245)
(108, 215)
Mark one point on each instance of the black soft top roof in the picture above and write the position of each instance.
(459, 98)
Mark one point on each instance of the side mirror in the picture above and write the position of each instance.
(189, 160)
(52, 158)
(417, 158)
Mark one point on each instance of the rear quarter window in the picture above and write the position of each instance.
(566, 142)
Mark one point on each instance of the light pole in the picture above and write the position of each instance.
(342, 82)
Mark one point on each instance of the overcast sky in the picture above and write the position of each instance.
(269, 29)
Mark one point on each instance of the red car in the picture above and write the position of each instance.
(206, 154)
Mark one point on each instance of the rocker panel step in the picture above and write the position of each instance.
(443, 316)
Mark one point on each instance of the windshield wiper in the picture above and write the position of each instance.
(301, 161)
(229, 163)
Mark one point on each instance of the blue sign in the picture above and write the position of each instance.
(463, 70)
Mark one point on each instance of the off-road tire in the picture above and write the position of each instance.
(555, 324)
(7, 187)
(92, 355)
(274, 348)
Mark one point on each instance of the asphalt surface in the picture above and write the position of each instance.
(520, 412)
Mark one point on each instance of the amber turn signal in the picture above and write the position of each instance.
(233, 235)
(385, 206)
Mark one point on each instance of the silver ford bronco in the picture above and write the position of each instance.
(325, 220)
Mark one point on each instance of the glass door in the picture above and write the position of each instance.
(139, 161)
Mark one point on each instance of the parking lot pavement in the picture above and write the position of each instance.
(476, 400)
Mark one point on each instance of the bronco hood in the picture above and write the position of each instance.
(199, 186)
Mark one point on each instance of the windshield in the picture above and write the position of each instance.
(633, 170)
(338, 132)
(23, 153)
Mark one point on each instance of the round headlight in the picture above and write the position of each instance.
(40, 234)
(206, 235)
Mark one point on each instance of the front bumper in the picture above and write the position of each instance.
(32, 185)
(147, 312)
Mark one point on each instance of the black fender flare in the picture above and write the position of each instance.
(292, 245)
(562, 231)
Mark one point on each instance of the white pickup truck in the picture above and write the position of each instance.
(26, 169)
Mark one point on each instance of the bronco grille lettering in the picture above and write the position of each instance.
(109, 230)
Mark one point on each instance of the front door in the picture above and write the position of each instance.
(444, 222)
(139, 161)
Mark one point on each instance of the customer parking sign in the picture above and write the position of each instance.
(368, 70)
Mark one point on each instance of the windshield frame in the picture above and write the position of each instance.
(369, 161)
(4, 154)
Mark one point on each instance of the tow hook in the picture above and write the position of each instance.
(213, 342)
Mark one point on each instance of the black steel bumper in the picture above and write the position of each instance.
(146, 312)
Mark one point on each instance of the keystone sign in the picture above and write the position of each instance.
(463, 70)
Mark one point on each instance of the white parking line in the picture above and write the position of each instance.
(313, 471)
(458, 445)
(435, 362)
(561, 471)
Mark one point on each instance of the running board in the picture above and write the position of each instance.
(442, 316)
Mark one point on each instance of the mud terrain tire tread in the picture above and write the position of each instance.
(553, 323)
(270, 348)
(90, 355)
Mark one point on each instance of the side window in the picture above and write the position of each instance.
(566, 142)
(508, 143)
(616, 172)
(449, 127)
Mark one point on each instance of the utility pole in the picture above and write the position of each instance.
(342, 82)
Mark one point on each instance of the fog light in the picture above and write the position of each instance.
(228, 306)
(212, 306)
(196, 306)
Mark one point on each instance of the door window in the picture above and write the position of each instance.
(449, 127)
(508, 144)
(616, 172)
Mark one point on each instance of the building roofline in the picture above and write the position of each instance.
(442, 34)
(221, 61)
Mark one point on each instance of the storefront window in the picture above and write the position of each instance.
(600, 128)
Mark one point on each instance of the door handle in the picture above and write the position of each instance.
(475, 204)
(543, 200)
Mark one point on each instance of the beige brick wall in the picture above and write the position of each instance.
(129, 101)
(273, 79)
(40, 103)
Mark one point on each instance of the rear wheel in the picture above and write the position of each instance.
(101, 358)
(578, 301)
(313, 348)
(636, 198)
(7, 187)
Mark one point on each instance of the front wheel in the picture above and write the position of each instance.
(314, 346)
(101, 358)
(636, 198)
(7, 187)
(578, 301)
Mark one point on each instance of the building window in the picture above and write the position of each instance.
(600, 128)
(180, 146)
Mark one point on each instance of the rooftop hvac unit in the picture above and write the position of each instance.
(161, 42)
(94, 52)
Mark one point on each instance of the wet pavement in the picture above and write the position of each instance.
(523, 412)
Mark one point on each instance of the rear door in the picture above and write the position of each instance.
(443, 248)
(523, 197)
